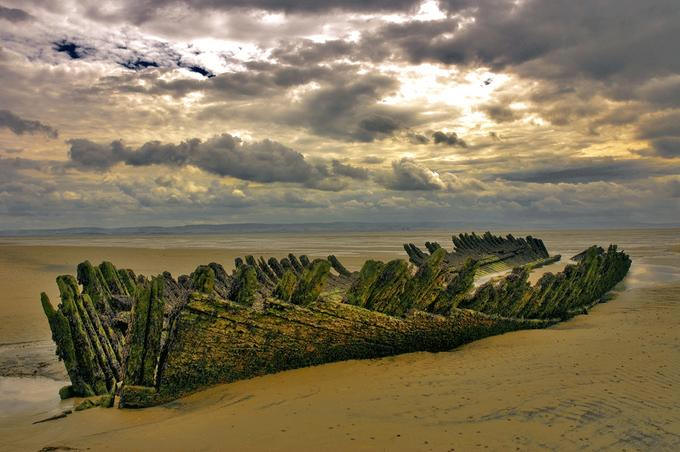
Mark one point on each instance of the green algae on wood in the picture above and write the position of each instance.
(66, 351)
(361, 289)
(86, 357)
(311, 283)
(285, 287)
(147, 322)
(272, 315)
(244, 286)
(338, 267)
(384, 293)
(203, 279)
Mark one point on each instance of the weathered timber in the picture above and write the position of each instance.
(220, 342)
(285, 287)
(304, 260)
(493, 253)
(311, 283)
(164, 338)
(338, 267)
(244, 287)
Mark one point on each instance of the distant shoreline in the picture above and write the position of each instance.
(236, 228)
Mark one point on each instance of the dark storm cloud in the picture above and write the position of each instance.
(139, 12)
(582, 170)
(379, 124)
(349, 110)
(499, 112)
(663, 134)
(305, 51)
(449, 139)
(21, 126)
(661, 91)
(666, 147)
(660, 126)
(87, 154)
(354, 172)
(591, 38)
(260, 79)
(138, 64)
(14, 14)
(224, 155)
(416, 138)
(344, 105)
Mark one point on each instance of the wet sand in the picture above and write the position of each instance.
(607, 380)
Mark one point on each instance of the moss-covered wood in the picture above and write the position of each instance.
(145, 334)
(223, 341)
(272, 315)
(66, 351)
(87, 364)
(338, 267)
(311, 283)
(285, 287)
(244, 285)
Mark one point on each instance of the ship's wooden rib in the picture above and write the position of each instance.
(163, 338)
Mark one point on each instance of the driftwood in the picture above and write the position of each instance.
(151, 340)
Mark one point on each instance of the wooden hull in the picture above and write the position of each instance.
(221, 341)
(154, 340)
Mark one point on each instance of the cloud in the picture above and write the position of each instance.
(663, 133)
(350, 110)
(594, 42)
(666, 147)
(372, 159)
(303, 52)
(408, 175)
(351, 91)
(140, 12)
(87, 154)
(499, 112)
(662, 91)
(584, 170)
(14, 14)
(449, 139)
(263, 161)
(138, 64)
(416, 138)
(21, 126)
(353, 172)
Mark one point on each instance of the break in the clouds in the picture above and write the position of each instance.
(184, 111)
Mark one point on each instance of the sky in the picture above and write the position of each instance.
(169, 112)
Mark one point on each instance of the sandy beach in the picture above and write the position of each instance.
(603, 381)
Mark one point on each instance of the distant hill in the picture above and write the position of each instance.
(234, 228)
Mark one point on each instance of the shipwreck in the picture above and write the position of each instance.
(138, 341)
